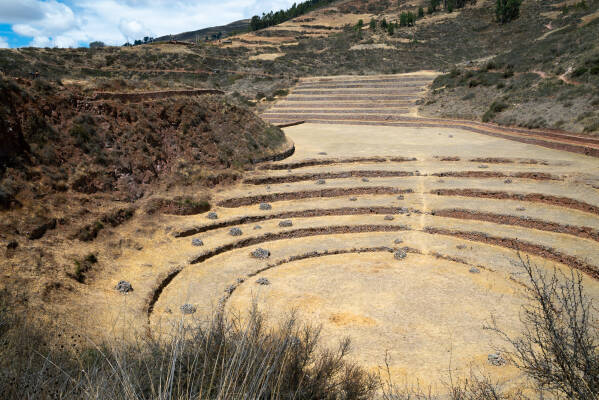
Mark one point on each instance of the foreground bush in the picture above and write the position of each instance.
(559, 345)
(224, 359)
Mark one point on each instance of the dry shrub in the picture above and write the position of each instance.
(225, 358)
(559, 344)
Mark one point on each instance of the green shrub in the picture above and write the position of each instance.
(498, 106)
(494, 108)
(82, 267)
(420, 12)
(507, 10)
(579, 72)
(450, 5)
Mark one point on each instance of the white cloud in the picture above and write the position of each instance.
(16, 11)
(3, 43)
(52, 23)
(133, 29)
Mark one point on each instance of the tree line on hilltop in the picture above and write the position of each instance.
(274, 18)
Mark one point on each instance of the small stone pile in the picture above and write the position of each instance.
(496, 360)
(197, 242)
(260, 253)
(400, 254)
(235, 232)
(265, 206)
(262, 281)
(285, 223)
(188, 309)
(124, 287)
(212, 215)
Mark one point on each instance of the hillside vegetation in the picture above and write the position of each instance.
(72, 168)
(547, 54)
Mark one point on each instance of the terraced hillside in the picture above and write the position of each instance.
(382, 98)
(392, 100)
(402, 234)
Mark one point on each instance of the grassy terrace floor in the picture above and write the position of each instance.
(453, 199)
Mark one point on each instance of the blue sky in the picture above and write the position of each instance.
(73, 23)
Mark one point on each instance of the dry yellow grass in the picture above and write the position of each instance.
(267, 56)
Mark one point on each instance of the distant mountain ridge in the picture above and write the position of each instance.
(211, 32)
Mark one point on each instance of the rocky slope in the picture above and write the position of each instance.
(71, 168)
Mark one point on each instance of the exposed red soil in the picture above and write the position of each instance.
(362, 98)
(451, 158)
(325, 175)
(350, 106)
(333, 192)
(457, 260)
(539, 176)
(351, 111)
(579, 231)
(289, 124)
(519, 245)
(334, 92)
(347, 115)
(139, 96)
(293, 214)
(314, 162)
(297, 233)
(413, 78)
(491, 160)
(532, 197)
(162, 281)
(362, 86)
(402, 159)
